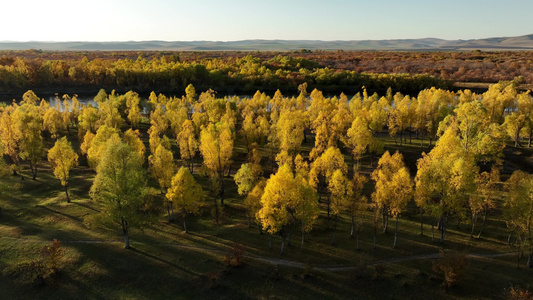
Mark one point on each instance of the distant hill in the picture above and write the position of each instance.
(500, 43)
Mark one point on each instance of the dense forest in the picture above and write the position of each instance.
(296, 162)
(245, 72)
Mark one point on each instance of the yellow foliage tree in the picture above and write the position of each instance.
(393, 188)
(186, 194)
(445, 179)
(286, 201)
(63, 158)
(216, 146)
(187, 143)
(162, 167)
(132, 138)
(98, 144)
(518, 210)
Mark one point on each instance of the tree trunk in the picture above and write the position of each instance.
(169, 204)
(282, 242)
(442, 230)
(33, 171)
(185, 222)
(396, 231)
(353, 225)
(474, 219)
(482, 223)
(328, 210)
(375, 234)
(216, 213)
(432, 232)
(221, 193)
(290, 235)
(421, 221)
(190, 165)
(126, 240)
(385, 222)
(303, 237)
(66, 192)
(334, 230)
(125, 230)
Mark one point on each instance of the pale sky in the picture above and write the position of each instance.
(232, 20)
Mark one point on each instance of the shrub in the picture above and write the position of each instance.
(36, 272)
(452, 265)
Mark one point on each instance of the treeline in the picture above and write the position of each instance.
(225, 72)
(170, 74)
(458, 179)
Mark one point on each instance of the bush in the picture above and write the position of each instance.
(516, 293)
(234, 257)
(453, 265)
(36, 272)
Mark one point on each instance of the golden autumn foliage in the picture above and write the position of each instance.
(62, 158)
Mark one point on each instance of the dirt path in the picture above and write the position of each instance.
(284, 262)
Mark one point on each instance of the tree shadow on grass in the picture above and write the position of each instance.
(77, 219)
(85, 205)
(153, 257)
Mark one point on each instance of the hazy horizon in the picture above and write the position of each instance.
(238, 20)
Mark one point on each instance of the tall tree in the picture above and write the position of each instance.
(393, 188)
(186, 194)
(445, 179)
(10, 137)
(216, 146)
(340, 191)
(63, 158)
(162, 167)
(518, 210)
(322, 170)
(188, 143)
(286, 201)
(356, 204)
(97, 144)
(484, 198)
(29, 124)
(133, 139)
(358, 138)
(120, 187)
(53, 122)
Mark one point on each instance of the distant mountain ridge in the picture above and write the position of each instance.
(524, 42)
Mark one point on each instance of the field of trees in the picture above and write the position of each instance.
(268, 196)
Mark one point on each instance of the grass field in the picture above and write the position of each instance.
(165, 262)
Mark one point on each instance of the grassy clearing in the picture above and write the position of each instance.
(167, 263)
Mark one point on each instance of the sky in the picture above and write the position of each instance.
(233, 20)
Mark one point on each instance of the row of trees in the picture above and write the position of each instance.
(448, 181)
(244, 74)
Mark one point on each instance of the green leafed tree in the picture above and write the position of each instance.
(120, 188)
